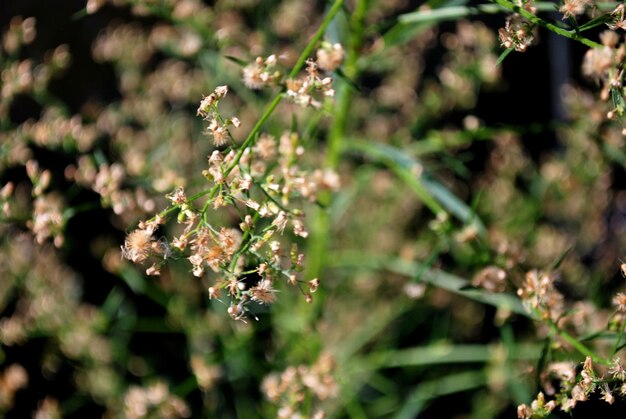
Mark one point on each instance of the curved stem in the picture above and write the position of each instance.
(576, 344)
(318, 35)
(294, 71)
(550, 26)
(619, 338)
(252, 136)
(320, 239)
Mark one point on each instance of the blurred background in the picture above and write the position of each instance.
(98, 123)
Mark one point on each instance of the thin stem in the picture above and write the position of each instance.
(550, 26)
(71, 212)
(252, 136)
(294, 72)
(576, 344)
(320, 239)
(318, 35)
(344, 96)
(619, 339)
(459, 12)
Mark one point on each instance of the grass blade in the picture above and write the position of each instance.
(437, 197)
(504, 54)
(450, 384)
(434, 277)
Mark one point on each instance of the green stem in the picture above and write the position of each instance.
(249, 141)
(619, 339)
(71, 212)
(173, 208)
(344, 93)
(318, 35)
(458, 12)
(252, 136)
(245, 244)
(212, 192)
(550, 26)
(576, 344)
(320, 239)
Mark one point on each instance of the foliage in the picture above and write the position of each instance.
(309, 209)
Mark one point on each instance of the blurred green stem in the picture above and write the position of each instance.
(576, 344)
(318, 35)
(344, 90)
(616, 347)
(453, 13)
(319, 243)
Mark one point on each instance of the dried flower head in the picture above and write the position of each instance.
(304, 91)
(538, 293)
(573, 8)
(261, 73)
(330, 56)
(138, 245)
(491, 278)
(597, 62)
(263, 292)
(289, 388)
(617, 21)
(620, 302)
(617, 370)
(517, 33)
(607, 394)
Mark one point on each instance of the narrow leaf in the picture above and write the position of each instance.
(557, 262)
(504, 54)
(236, 60)
(339, 72)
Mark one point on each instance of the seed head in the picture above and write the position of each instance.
(138, 245)
(263, 292)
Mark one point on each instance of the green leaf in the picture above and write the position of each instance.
(436, 196)
(557, 262)
(236, 60)
(341, 75)
(448, 354)
(430, 390)
(443, 14)
(434, 277)
(618, 101)
(543, 360)
(504, 54)
(600, 20)
(403, 166)
(574, 24)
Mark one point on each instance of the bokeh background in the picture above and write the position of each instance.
(98, 122)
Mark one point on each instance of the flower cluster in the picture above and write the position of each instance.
(292, 388)
(21, 32)
(218, 128)
(154, 401)
(491, 278)
(261, 73)
(605, 66)
(13, 378)
(575, 387)
(262, 183)
(518, 32)
(572, 8)
(330, 56)
(306, 90)
(540, 296)
(303, 90)
(47, 217)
